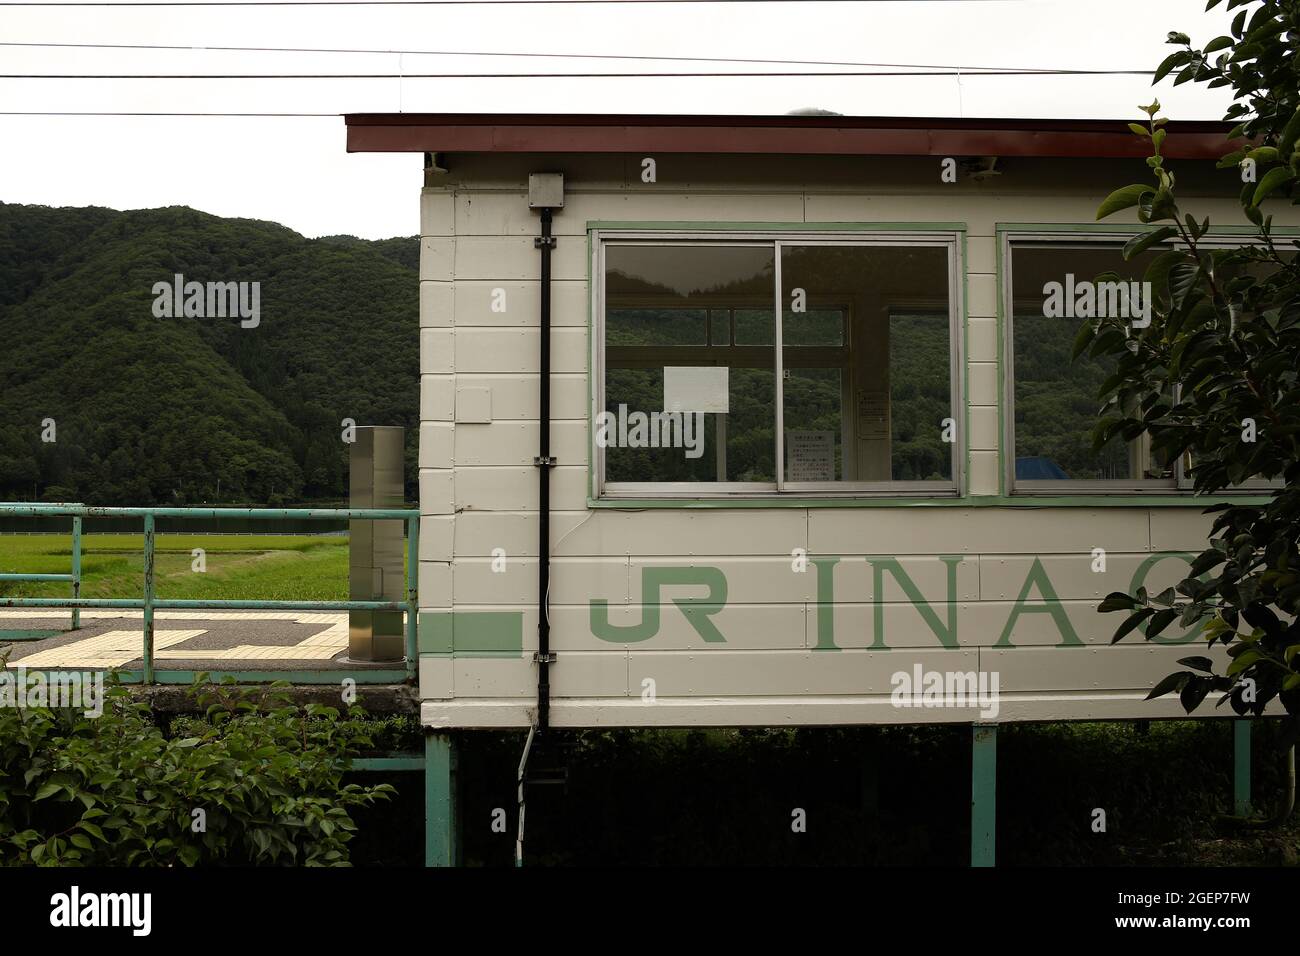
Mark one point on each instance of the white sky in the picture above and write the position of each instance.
(296, 170)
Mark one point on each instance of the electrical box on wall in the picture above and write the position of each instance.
(545, 190)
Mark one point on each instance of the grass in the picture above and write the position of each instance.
(239, 567)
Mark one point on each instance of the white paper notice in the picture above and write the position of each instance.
(810, 456)
(696, 388)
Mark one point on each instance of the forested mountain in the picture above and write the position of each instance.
(150, 410)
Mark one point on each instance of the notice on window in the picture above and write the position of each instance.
(809, 456)
(701, 388)
(873, 415)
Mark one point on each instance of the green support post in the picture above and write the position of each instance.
(1241, 767)
(412, 590)
(440, 838)
(148, 598)
(983, 794)
(76, 569)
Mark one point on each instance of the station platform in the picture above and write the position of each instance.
(183, 640)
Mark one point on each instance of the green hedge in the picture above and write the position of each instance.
(258, 781)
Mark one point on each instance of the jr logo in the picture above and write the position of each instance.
(697, 610)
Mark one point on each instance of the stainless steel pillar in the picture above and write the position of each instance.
(375, 568)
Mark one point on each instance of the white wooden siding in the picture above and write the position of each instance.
(478, 487)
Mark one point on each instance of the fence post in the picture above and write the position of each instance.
(1241, 767)
(76, 569)
(440, 811)
(148, 598)
(412, 591)
(983, 794)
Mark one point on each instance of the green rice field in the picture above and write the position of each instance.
(239, 566)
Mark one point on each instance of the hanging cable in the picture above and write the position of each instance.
(523, 768)
(557, 56)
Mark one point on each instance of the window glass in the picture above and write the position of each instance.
(665, 326)
(690, 394)
(1055, 288)
(867, 350)
(682, 403)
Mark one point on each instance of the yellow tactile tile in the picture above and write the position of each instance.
(295, 653)
(117, 647)
(110, 649)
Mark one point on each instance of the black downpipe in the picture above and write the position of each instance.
(544, 463)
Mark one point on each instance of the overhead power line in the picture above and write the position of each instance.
(558, 56)
(430, 3)
(522, 76)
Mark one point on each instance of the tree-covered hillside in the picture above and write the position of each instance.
(153, 410)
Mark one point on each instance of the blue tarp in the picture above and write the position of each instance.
(1038, 468)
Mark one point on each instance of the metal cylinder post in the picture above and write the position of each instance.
(76, 569)
(412, 591)
(376, 480)
(148, 598)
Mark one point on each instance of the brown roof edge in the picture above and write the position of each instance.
(807, 135)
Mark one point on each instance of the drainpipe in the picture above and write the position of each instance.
(546, 193)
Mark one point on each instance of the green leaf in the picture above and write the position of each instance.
(1117, 601)
(1217, 44)
(1198, 664)
(1177, 58)
(1203, 563)
(1140, 243)
(48, 790)
(1170, 683)
(1290, 133)
(1159, 621)
(1194, 692)
(1161, 206)
(1242, 661)
(1081, 340)
(1231, 159)
(1272, 180)
(1122, 199)
(1133, 621)
(91, 829)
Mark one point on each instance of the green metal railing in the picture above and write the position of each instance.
(150, 602)
(73, 577)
